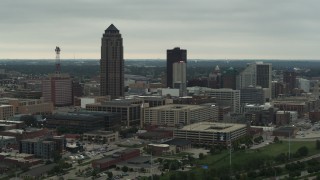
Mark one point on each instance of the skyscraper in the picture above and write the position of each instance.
(257, 74)
(174, 55)
(289, 79)
(214, 80)
(179, 77)
(112, 63)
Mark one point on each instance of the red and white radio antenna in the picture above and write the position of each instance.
(58, 67)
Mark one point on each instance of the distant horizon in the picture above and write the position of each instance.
(232, 29)
(90, 59)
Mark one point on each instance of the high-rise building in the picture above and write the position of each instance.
(58, 87)
(229, 78)
(289, 79)
(257, 74)
(214, 80)
(173, 56)
(303, 84)
(179, 77)
(252, 95)
(277, 89)
(223, 97)
(58, 90)
(112, 63)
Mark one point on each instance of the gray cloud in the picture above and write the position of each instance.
(207, 28)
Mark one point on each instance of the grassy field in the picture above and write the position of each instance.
(241, 158)
(268, 152)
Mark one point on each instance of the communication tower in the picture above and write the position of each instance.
(58, 67)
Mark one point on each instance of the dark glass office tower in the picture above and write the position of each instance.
(174, 55)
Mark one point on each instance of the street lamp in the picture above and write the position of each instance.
(289, 145)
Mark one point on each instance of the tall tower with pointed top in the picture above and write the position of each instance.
(112, 63)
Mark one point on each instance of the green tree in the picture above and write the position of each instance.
(56, 156)
(201, 156)
(110, 174)
(125, 169)
(318, 144)
(303, 151)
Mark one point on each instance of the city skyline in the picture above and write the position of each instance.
(208, 29)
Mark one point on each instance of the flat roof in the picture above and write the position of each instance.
(73, 116)
(104, 160)
(98, 133)
(213, 127)
(178, 142)
(4, 105)
(7, 137)
(39, 170)
(12, 122)
(178, 107)
(159, 145)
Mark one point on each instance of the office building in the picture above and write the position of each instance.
(112, 63)
(154, 101)
(286, 117)
(173, 56)
(75, 122)
(129, 109)
(214, 80)
(252, 95)
(174, 114)
(301, 104)
(223, 97)
(179, 77)
(101, 136)
(303, 84)
(278, 89)
(229, 78)
(58, 90)
(289, 79)
(43, 147)
(7, 140)
(211, 133)
(28, 106)
(226, 97)
(6, 111)
(105, 162)
(257, 74)
(111, 120)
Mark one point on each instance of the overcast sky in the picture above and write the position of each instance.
(208, 29)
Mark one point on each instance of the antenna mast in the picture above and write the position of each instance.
(58, 68)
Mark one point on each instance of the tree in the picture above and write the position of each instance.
(276, 139)
(110, 174)
(318, 144)
(201, 156)
(29, 120)
(160, 160)
(142, 170)
(56, 156)
(303, 151)
(125, 169)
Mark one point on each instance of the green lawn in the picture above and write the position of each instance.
(268, 152)
(248, 157)
(277, 148)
